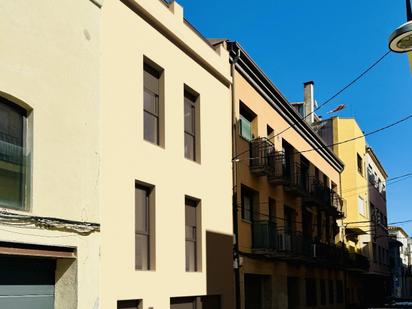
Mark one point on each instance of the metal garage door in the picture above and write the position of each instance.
(26, 283)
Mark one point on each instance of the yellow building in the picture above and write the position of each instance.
(287, 200)
(410, 60)
(364, 191)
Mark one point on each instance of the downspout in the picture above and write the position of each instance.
(234, 188)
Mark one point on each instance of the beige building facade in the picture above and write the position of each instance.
(166, 117)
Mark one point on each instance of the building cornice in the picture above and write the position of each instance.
(258, 79)
(175, 28)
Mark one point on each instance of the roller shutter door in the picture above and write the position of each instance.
(26, 283)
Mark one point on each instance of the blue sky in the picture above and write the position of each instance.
(329, 42)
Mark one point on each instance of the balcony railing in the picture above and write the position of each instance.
(262, 156)
(272, 242)
(11, 153)
(289, 175)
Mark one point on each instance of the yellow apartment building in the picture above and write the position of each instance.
(286, 199)
(363, 184)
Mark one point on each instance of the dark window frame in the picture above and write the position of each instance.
(153, 88)
(13, 150)
(247, 213)
(148, 231)
(191, 100)
(195, 235)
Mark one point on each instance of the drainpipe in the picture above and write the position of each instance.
(234, 188)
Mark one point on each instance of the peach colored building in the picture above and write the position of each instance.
(287, 198)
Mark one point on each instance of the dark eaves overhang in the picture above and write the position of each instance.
(258, 79)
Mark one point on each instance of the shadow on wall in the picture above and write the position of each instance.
(219, 268)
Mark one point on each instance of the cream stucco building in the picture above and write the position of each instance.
(165, 115)
(115, 181)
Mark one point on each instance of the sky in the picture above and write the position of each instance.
(331, 43)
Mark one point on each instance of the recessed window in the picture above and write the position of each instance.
(339, 291)
(246, 118)
(197, 302)
(360, 164)
(247, 206)
(311, 293)
(14, 157)
(331, 289)
(272, 210)
(322, 292)
(144, 229)
(191, 126)
(193, 232)
(129, 304)
(269, 132)
(361, 206)
(153, 103)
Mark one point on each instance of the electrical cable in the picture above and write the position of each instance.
(360, 136)
(340, 91)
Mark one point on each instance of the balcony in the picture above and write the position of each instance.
(272, 242)
(262, 159)
(288, 175)
(317, 193)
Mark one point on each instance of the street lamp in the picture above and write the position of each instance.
(400, 40)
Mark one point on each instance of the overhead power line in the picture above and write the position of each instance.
(360, 76)
(360, 136)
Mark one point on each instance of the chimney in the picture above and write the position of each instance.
(309, 102)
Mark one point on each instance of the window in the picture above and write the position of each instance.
(339, 291)
(269, 132)
(152, 111)
(247, 204)
(311, 293)
(129, 304)
(272, 210)
(199, 302)
(144, 200)
(361, 206)
(322, 292)
(191, 130)
(14, 160)
(360, 164)
(192, 234)
(246, 119)
(331, 292)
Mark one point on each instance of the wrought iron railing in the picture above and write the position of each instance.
(280, 243)
(262, 156)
